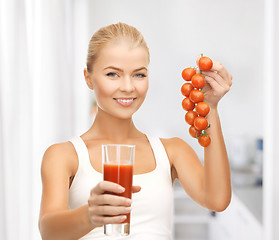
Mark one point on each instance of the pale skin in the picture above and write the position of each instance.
(122, 72)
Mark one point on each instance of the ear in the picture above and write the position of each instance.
(87, 77)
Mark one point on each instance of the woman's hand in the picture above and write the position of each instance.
(106, 208)
(218, 83)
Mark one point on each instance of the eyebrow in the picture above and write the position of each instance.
(120, 70)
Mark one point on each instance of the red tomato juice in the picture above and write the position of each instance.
(122, 175)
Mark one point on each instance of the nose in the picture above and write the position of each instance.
(127, 84)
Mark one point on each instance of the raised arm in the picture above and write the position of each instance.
(217, 180)
(208, 184)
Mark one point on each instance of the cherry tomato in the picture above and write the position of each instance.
(190, 117)
(198, 81)
(196, 96)
(195, 133)
(186, 89)
(187, 104)
(202, 109)
(188, 73)
(205, 63)
(204, 140)
(200, 123)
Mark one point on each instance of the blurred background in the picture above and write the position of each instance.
(44, 99)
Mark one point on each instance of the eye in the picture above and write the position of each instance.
(140, 75)
(111, 74)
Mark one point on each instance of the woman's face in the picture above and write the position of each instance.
(120, 79)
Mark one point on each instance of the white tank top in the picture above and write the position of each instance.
(152, 207)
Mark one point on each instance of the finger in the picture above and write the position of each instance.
(110, 210)
(222, 71)
(109, 199)
(106, 186)
(197, 62)
(218, 89)
(212, 82)
(96, 219)
(213, 75)
(136, 189)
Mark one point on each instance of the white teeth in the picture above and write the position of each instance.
(125, 100)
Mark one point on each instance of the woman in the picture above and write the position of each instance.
(75, 202)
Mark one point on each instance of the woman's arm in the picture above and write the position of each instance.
(217, 180)
(207, 184)
(56, 220)
(65, 224)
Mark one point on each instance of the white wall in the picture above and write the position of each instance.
(177, 32)
(271, 119)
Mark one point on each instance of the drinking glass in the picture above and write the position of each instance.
(118, 161)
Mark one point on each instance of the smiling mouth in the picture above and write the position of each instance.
(125, 101)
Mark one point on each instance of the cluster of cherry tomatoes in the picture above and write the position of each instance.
(193, 102)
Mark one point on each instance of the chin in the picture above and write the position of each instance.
(121, 115)
(125, 117)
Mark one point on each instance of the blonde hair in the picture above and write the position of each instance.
(111, 34)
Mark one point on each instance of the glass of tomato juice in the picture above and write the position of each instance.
(118, 161)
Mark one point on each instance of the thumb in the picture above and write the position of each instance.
(136, 189)
(197, 61)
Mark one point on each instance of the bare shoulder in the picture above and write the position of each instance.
(176, 148)
(56, 170)
(172, 141)
(181, 155)
(60, 155)
(172, 145)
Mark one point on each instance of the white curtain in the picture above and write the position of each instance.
(43, 99)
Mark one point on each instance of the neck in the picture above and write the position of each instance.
(115, 129)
